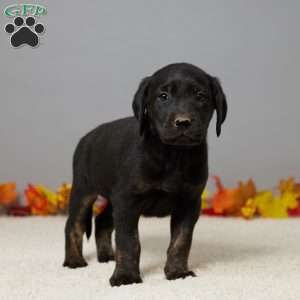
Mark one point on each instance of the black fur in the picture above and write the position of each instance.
(154, 165)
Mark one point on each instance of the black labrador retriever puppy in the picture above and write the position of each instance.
(153, 165)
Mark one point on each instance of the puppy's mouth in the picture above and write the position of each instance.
(182, 140)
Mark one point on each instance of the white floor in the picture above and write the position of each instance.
(234, 259)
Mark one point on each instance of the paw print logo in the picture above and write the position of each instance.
(24, 32)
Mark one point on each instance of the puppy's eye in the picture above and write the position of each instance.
(163, 96)
(200, 95)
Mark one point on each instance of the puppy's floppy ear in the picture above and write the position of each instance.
(220, 103)
(139, 104)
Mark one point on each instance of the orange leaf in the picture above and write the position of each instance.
(36, 201)
(230, 201)
(8, 193)
(224, 200)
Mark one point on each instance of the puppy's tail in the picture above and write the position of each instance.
(88, 222)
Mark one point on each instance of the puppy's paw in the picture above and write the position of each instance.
(75, 263)
(118, 279)
(106, 257)
(175, 274)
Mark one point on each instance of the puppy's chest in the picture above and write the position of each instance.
(168, 179)
(161, 188)
(168, 184)
(160, 194)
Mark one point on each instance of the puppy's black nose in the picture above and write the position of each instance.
(182, 122)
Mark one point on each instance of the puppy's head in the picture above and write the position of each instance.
(177, 102)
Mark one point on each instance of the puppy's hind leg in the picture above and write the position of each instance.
(104, 228)
(78, 223)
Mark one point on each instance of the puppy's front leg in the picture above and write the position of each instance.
(128, 247)
(182, 225)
